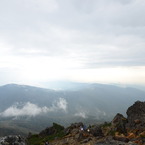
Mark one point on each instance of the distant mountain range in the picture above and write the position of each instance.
(33, 108)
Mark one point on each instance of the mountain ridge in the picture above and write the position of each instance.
(34, 105)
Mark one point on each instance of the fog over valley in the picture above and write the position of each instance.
(91, 103)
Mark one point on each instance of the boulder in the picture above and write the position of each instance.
(119, 124)
(123, 139)
(12, 140)
(75, 127)
(136, 114)
(85, 140)
(96, 131)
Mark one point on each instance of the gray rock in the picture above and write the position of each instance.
(12, 140)
(96, 131)
(86, 140)
(136, 114)
(119, 123)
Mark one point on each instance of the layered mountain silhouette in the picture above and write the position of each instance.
(26, 108)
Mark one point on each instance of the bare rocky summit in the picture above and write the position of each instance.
(136, 114)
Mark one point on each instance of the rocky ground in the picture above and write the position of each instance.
(12, 140)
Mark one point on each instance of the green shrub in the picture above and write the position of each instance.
(38, 140)
(106, 124)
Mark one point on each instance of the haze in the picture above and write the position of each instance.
(77, 40)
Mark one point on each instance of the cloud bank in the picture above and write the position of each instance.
(30, 109)
(39, 38)
(85, 114)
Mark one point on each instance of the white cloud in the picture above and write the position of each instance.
(30, 109)
(84, 114)
(81, 114)
(62, 104)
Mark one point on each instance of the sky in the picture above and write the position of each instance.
(99, 41)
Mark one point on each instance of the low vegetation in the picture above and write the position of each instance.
(49, 134)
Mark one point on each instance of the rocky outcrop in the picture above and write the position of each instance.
(96, 131)
(130, 130)
(119, 123)
(136, 115)
(73, 128)
(51, 130)
(12, 140)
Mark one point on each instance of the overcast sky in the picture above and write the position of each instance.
(76, 40)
